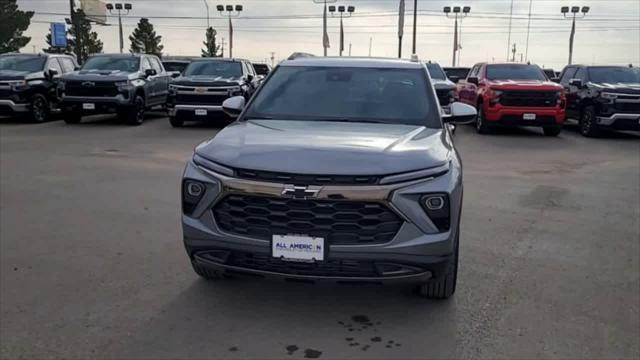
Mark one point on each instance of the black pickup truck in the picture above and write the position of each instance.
(124, 84)
(602, 97)
(28, 84)
(198, 94)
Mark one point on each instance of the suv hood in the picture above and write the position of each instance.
(101, 75)
(525, 85)
(326, 148)
(13, 75)
(207, 81)
(629, 88)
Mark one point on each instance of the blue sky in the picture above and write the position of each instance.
(610, 33)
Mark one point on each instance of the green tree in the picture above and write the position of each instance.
(211, 49)
(145, 40)
(89, 42)
(12, 23)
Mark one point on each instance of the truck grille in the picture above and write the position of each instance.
(339, 222)
(529, 98)
(5, 93)
(100, 89)
(306, 179)
(628, 107)
(200, 99)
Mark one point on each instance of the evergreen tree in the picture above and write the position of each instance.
(145, 40)
(12, 23)
(89, 42)
(211, 49)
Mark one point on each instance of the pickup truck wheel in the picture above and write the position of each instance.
(176, 121)
(39, 109)
(135, 115)
(444, 286)
(72, 117)
(552, 130)
(206, 273)
(481, 123)
(588, 126)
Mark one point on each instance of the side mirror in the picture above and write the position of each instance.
(555, 79)
(150, 72)
(473, 80)
(51, 73)
(249, 78)
(454, 78)
(233, 106)
(76, 68)
(576, 82)
(174, 74)
(461, 114)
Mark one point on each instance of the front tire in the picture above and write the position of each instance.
(481, 123)
(135, 114)
(588, 126)
(552, 130)
(39, 109)
(443, 287)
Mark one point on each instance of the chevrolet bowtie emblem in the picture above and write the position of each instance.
(300, 192)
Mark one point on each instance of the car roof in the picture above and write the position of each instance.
(36, 55)
(122, 55)
(331, 61)
(219, 59)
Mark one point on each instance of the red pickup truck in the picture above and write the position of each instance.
(513, 95)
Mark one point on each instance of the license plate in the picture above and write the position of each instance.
(529, 116)
(297, 248)
(201, 112)
(89, 106)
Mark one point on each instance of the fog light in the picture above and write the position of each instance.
(192, 193)
(437, 208)
(434, 202)
(195, 189)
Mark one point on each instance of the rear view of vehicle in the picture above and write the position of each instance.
(603, 97)
(198, 94)
(513, 95)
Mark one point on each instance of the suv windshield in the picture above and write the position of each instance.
(436, 72)
(120, 63)
(614, 74)
(384, 95)
(22, 63)
(175, 65)
(515, 72)
(225, 69)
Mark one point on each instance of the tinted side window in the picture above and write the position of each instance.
(474, 71)
(568, 75)
(581, 74)
(53, 64)
(145, 64)
(251, 69)
(155, 64)
(67, 64)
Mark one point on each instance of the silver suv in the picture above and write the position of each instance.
(337, 169)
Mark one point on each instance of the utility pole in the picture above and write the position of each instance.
(207, 6)
(400, 27)
(341, 10)
(273, 57)
(118, 7)
(456, 10)
(513, 58)
(221, 47)
(415, 21)
(526, 47)
(370, 43)
(349, 49)
(75, 21)
(230, 13)
(574, 10)
(509, 37)
(325, 35)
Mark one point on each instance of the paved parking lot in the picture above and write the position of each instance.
(92, 264)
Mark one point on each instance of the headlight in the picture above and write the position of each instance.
(609, 96)
(18, 85)
(173, 87)
(235, 91)
(62, 85)
(122, 83)
(497, 93)
(437, 208)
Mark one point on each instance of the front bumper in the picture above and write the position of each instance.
(417, 249)
(9, 107)
(514, 116)
(103, 105)
(620, 121)
(188, 112)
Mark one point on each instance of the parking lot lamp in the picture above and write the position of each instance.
(341, 11)
(117, 8)
(456, 10)
(574, 11)
(231, 11)
(325, 35)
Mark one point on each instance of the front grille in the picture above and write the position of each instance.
(100, 89)
(628, 107)
(306, 179)
(200, 99)
(338, 222)
(5, 93)
(529, 98)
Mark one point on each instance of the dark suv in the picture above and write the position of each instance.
(123, 84)
(28, 84)
(602, 97)
(337, 169)
(198, 94)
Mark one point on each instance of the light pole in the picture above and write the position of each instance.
(207, 6)
(526, 46)
(325, 35)
(456, 11)
(119, 7)
(341, 10)
(230, 13)
(574, 10)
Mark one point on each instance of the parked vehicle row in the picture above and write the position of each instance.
(124, 84)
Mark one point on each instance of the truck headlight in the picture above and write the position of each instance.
(438, 210)
(608, 96)
(18, 85)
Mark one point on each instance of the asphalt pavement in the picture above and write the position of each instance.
(92, 263)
